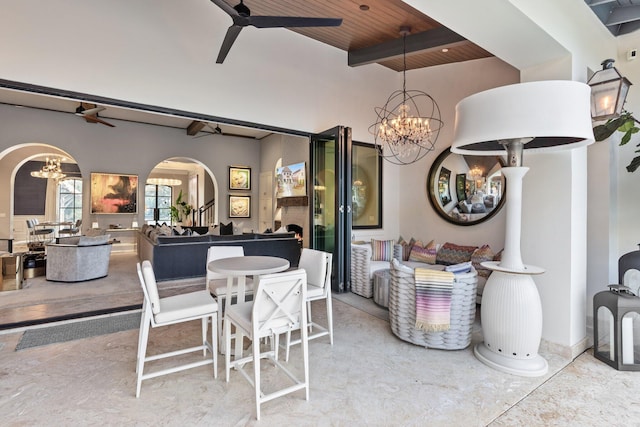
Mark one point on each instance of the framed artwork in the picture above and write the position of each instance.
(291, 180)
(239, 206)
(114, 193)
(239, 178)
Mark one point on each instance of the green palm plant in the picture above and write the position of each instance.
(180, 208)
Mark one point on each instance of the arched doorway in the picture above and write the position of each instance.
(181, 190)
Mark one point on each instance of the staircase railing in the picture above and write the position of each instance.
(205, 214)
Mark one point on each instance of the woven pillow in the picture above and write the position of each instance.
(426, 254)
(406, 247)
(482, 254)
(451, 253)
(226, 229)
(381, 250)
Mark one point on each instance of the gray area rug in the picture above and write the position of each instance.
(78, 330)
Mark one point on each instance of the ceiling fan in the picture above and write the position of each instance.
(241, 16)
(89, 112)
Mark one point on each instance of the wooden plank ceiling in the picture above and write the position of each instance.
(376, 26)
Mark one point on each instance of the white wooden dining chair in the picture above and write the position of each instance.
(158, 311)
(278, 307)
(317, 264)
(217, 283)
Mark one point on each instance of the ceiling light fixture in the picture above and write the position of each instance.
(608, 92)
(475, 173)
(164, 181)
(403, 135)
(50, 169)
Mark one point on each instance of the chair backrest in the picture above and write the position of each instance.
(78, 223)
(314, 262)
(149, 286)
(30, 224)
(279, 303)
(219, 252)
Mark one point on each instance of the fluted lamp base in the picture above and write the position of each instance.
(511, 315)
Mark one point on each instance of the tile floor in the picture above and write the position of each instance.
(369, 377)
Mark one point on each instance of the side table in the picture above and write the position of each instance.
(381, 279)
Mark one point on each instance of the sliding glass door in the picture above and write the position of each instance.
(331, 201)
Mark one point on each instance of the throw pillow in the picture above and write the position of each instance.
(226, 229)
(426, 254)
(381, 250)
(480, 255)
(238, 228)
(406, 247)
(451, 253)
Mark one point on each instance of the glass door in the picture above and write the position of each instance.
(331, 202)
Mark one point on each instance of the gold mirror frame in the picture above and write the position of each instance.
(445, 187)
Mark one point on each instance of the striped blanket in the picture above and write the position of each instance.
(433, 299)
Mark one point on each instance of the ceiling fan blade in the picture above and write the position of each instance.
(229, 10)
(229, 39)
(292, 21)
(96, 119)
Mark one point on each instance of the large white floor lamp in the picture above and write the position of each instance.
(537, 116)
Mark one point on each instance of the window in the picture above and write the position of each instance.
(70, 200)
(157, 204)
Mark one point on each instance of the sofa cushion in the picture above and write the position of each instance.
(93, 240)
(451, 253)
(426, 254)
(406, 247)
(382, 250)
(480, 255)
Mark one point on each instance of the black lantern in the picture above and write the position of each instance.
(608, 92)
(616, 324)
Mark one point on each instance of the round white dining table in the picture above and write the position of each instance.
(238, 268)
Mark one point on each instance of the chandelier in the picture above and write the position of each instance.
(475, 173)
(50, 169)
(403, 135)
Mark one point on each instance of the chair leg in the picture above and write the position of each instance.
(142, 353)
(256, 376)
(286, 355)
(205, 327)
(142, 320)
(227, 349)
(214, 346)
(330, 318)
(309, 321)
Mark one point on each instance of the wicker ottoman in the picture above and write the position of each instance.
(381, 279)
(402, 310)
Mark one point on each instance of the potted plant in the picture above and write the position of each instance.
(625, 123)
(180, 209)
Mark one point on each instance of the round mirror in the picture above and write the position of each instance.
(466, 190)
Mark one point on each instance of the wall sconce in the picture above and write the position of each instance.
(608, 92)
(95, 225)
